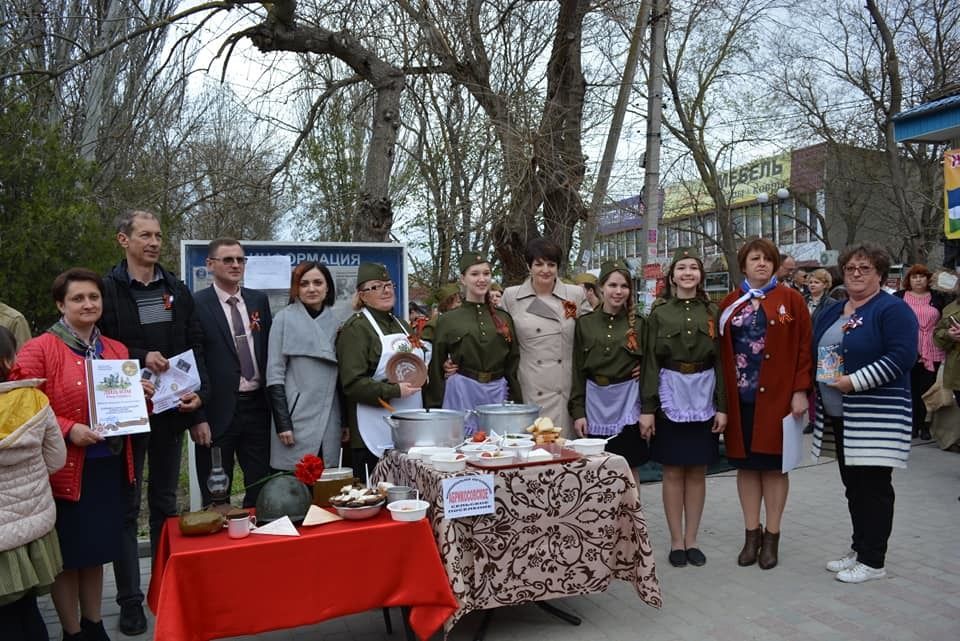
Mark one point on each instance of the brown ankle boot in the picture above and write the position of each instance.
(769, 549)
(751, 546)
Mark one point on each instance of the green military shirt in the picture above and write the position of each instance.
(600, 353)
(681, 330)
(430, 329)
(469, 337)
(358, 352)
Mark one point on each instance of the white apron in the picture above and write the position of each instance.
(375, 431)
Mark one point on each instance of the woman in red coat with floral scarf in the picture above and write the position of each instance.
(765, 352)
(89, 490)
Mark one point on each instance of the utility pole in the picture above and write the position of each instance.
(613, 137)
(651, 182)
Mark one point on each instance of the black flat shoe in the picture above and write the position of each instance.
(696, 557)
(678, 558)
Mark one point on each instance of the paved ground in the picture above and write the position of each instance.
(798, 600)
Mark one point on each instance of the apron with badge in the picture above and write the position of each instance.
(375, 431)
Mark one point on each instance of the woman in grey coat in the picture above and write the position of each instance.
(302, 372)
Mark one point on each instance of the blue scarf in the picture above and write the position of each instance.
(748, 294)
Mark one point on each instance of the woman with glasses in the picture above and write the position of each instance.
(926, 305)
(865, 349)
(478, 339)
(367, 340)
(765, 351)
(302, 372)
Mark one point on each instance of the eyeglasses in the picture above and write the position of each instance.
(863, 270)
(231, 260)
(388, 286)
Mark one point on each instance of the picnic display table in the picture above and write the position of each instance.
(559, 529)
(209, 587)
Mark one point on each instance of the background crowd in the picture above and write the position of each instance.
(853, 360)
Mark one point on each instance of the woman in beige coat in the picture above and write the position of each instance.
(545, 312)
(31, 448)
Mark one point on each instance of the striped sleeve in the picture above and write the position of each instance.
(898, 335)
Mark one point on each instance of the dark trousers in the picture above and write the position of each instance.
(162, 447)
(248, 439)
(22, 620)
(869, 490)
(920, 381)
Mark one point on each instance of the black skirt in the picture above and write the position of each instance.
(754, 460)
(687, 443)
(89, 529)
(628, 444)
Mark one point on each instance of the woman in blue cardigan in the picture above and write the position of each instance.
(864, 351)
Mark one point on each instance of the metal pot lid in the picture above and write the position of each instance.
(427, 415)
(507, 409)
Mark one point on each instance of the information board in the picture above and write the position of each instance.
(342, 259)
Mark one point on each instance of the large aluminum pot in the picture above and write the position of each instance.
(440, 428)
(506, 418)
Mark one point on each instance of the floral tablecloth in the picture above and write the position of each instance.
(559, 530)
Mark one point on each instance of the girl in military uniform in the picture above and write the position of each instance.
(683, 400)
(477, 340)
(365, 343)
(607, 350)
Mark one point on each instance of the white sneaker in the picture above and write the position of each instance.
(844, 563)
(860, 573)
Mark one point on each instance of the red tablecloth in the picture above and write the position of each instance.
(210, 587)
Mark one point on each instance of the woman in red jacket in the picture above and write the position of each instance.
(765, 353)
(89, 490)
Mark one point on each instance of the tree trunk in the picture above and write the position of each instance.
(374, 210)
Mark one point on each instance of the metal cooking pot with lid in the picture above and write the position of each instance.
(506, 418)
(416, 428)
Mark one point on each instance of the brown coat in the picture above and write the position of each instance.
(786, 368)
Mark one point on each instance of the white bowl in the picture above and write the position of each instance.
(427, 454)
(512, 438)
(520, 448)
(503, 457)
(473, 450)
(408, 510)
(443, 462)
(588, 446)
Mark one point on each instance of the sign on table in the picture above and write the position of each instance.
(468, 496)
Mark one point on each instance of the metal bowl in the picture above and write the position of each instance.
(360, 513)
(506, 418)
(419, 428)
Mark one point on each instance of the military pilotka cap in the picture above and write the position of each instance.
(685, 252)
(371, 271)
(471, 258)
(447, 291)
(613, 266)
(585, 278)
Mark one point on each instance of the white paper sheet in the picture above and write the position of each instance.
(792, 441)
(267, 272)
(180, 379)
(316, 515)
(281, 527)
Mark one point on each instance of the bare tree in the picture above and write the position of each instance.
(854, 68)
(712, 62)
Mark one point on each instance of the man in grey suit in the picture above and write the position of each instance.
(236, 323)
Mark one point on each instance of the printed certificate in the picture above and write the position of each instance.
(115, 398)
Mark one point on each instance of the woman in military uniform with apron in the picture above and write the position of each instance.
(607, 352)
(367, 340)
(479, 340)
(683, 400)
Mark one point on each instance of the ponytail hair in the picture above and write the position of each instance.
(502, 327)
